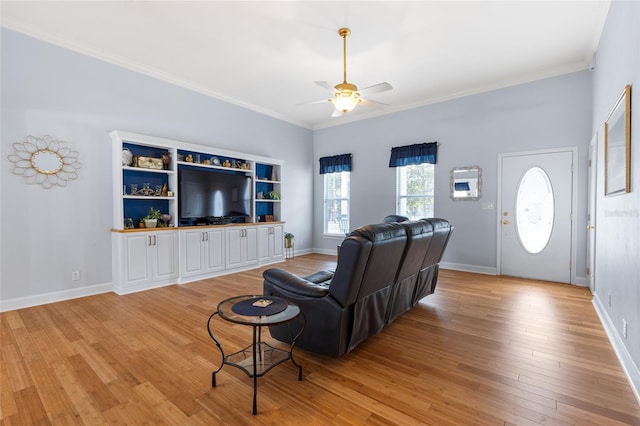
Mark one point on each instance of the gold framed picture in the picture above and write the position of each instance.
(617, 146)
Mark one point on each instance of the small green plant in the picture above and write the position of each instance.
(153, 214)
(288, 239)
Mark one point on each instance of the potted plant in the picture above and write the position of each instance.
(151, 219)
(288, 239)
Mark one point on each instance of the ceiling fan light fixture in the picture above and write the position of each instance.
(345, 102)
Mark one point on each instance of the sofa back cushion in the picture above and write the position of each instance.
(388, 241)
(419, 236)
(352, 260)
(441, 232)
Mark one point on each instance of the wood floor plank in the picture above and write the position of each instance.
(482, 350)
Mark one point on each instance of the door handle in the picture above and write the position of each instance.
(590, 227)
(505, 222)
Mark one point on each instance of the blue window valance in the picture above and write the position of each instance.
(335, 164)
(414, 154)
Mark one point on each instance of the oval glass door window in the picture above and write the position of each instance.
(534, 210)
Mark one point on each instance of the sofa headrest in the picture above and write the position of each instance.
(395, 218)
(417, 227)
(438, 223)
(380, 231)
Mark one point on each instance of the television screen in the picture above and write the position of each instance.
(212, 192)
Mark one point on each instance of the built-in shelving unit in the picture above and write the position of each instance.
(138, 188)
(148, 175)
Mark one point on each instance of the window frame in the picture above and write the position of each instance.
(344, 227)
(426, 195)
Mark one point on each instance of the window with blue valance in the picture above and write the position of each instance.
(414, 154)
(335, 164)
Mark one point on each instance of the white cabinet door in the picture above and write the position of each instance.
(234, 247)
(242, 246)
(250, 246)
(278, 241)
(191, 253)
(137, 261)
(270, 243)
(150, 257)
(214, 250)
(165, 253)
(264, 243)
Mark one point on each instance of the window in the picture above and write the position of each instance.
(336, 202)
(415, 188)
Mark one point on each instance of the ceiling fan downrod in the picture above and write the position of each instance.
(345, 86)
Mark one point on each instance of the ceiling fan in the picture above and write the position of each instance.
(346, 95)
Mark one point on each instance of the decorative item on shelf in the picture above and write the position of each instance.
(268, 218)
(164, 191)
(151, 219)
(207, 162)
(150, 163)
(226, 163)
(128, 223)
(215, 161)
(158, 191)
(166, 219)
(274, 195)
(146, 190)
(274, 175)
(166, 160)
(45, 161)
(180, 157)
(260, 195)
(198, 158)
(141, 223)
(127, 157)
(189, 158)
(244, 166)
(288, 239)
(169, 193)
(134, 189)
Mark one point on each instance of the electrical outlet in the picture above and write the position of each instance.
(624, 328)
(75, 276)
(609, 299)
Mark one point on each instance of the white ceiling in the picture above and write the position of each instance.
(266, 55)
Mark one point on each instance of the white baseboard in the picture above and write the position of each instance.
(56, 296)
(469, 268)
(330, 252)
(629, 367)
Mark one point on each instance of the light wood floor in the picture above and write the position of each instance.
(482, 350)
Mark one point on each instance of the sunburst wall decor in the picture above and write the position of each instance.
(45, 161)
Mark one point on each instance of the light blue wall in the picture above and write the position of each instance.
(47, 234)
(550, 113)
(617, 268)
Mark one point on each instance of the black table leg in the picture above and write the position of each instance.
(255, 373)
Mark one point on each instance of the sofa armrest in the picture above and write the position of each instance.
(294, 284)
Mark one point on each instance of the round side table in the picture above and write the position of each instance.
(258, 357)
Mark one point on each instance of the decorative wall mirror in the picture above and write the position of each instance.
(466, 183)
(45, 161)
(617, 146)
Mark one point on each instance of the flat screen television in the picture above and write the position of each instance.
(206, 193)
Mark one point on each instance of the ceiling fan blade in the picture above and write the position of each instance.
(321, 101)
(369, 102)
(376, 88)
(326, 85)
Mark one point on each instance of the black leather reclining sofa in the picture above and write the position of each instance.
(383, 270)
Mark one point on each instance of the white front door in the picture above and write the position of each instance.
(535, 222)
(591, 216)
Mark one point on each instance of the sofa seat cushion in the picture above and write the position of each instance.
(321, 278)
(295, 284)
